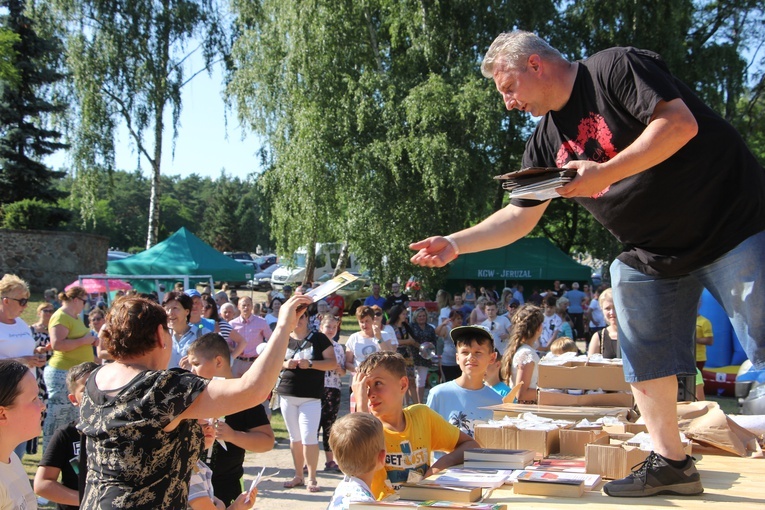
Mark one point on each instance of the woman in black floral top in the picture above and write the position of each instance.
(139, 418)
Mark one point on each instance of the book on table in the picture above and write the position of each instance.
(487, 464)
(392, 505)
(560, 488)
(590, 480)
(417, 492)
(464, 477)
(499, 455)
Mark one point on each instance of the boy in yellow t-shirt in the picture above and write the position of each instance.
(704, 337)
(411, 434)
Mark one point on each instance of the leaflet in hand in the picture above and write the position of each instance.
(333, 285)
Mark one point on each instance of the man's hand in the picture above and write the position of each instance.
(592, 179)
(433, 252)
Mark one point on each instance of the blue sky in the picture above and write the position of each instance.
(205, 145)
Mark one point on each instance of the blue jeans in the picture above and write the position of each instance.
(657, 316)
(60, 411)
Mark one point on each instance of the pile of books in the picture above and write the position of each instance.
(392, 505)
(498, 458)
(537, 183)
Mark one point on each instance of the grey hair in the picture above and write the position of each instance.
(513, 49)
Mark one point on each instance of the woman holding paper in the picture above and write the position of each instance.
(301, 386)
(140, 419)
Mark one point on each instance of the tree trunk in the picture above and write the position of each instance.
(342, 260)
(310, 262)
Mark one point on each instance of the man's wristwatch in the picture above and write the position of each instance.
(310, 363)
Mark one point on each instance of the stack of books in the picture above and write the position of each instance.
(537, 183)
(497, 458)
(546, 483)
(392, 505)
(464, 477)
(588, 481)
(417, 492)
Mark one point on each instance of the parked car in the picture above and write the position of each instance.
(265, 261)
(239, 256)
(116, 255)
(262, 280)
(354, 293)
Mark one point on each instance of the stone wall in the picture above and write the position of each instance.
(51, 259)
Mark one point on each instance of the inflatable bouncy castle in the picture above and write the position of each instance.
(725, 355)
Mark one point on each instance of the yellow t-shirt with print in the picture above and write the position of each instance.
(411, 450)
(77, 329)
(703, 330)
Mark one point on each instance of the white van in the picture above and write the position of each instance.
(326, 259)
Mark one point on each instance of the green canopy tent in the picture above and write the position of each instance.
(182, 253)
(528, 259)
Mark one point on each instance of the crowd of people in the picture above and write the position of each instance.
(139, 346)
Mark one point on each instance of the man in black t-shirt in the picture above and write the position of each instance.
(396, 298)
(673, 181)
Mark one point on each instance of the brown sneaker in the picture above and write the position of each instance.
(654, 476)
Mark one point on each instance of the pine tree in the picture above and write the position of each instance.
(24, 140)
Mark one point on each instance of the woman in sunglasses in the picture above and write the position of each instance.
(72, 343)
(16, 340)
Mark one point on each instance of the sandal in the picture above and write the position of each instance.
(331, 466)
(295, 482)
(313, 486)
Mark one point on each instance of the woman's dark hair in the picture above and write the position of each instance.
(185, 301)
(11, 374)
(271, 304)
(395, 313)
(210, 304)
(72, 293)
(131, 327)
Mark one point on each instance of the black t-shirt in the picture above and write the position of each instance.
(308, 382)
(393, 300)
(678, 215)
(228, 463)
(63, 447)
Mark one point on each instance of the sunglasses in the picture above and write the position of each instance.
(47, 310)
(378, 314)
(22, 301)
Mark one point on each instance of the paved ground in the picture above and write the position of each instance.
(278, 462)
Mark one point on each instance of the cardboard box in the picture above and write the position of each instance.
(583, 376)
(574, 441)
(625, 428)
(560, 412)
(612, 461)
(551, 398)
(543, 442)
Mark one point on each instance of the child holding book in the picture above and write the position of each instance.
(460, 401)
(249, 430)
(63, 452)
(520, 363)
(411, 434)
(201, 492)
(358, 443)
